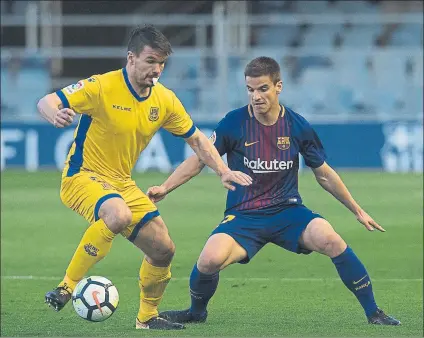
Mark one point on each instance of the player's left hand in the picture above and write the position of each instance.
(368, 221)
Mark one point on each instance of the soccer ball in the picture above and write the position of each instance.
(95, 298)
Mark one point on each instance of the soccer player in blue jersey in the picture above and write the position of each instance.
(264, 139)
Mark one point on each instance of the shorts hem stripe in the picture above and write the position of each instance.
(147, 217)
(101, 201)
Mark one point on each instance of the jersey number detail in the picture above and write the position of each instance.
(228, 218)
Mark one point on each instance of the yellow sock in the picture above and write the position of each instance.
(94, 245)
(153, 281)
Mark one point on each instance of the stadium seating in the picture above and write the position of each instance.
(407, 35)
(329, 82)
(23, 83)
(281, 35)
(320, 35)
(361, 35)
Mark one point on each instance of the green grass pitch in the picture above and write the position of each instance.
(278, 294)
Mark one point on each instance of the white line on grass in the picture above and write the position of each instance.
(238, 279)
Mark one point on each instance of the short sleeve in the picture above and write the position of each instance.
(220, 137)
(82, 97)
(311, 147)
(179, 122)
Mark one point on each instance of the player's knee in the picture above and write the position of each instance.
(123, 218)
(333, 245)
(164, 253)
(209, 263)
(118, 219)
(168, 252)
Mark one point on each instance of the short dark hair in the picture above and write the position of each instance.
(148, 35)
(261, 66)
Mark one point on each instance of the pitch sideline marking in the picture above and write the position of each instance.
(229, 279)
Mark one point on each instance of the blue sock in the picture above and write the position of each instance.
(202, 288)
(355, 277)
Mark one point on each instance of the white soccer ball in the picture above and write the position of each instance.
(95, 298)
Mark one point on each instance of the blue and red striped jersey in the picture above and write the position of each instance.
(270, 155)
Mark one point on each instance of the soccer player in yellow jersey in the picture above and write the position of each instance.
(120, 112)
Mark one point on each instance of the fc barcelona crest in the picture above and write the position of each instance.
(154, 114)
(283, 143)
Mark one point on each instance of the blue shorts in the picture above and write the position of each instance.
(253, 231)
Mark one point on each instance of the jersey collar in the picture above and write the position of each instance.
(282, 110)
(131, 89)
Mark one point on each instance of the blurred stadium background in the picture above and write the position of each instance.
(355, 64)
(353, 68)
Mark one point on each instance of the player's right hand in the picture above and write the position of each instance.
(235, 177)
(156, 193)
(63, 118)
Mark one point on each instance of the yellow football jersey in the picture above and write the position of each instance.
(116, 124)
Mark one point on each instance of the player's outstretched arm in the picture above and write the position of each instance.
(331, 181)
(209, 155)
(50, 108)
(191, 167)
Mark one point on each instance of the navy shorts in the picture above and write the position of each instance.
(253, 231)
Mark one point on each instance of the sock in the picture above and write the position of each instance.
(202, 288)
(355, 277)
(153, 281)
(95, 244)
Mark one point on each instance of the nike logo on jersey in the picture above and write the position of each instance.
(115, 106)
(249, 144)
(359, 280)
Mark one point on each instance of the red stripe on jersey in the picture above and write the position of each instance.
(283, 133)
(257, 151)
(248, 138)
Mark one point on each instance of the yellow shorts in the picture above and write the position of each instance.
(85, 192)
